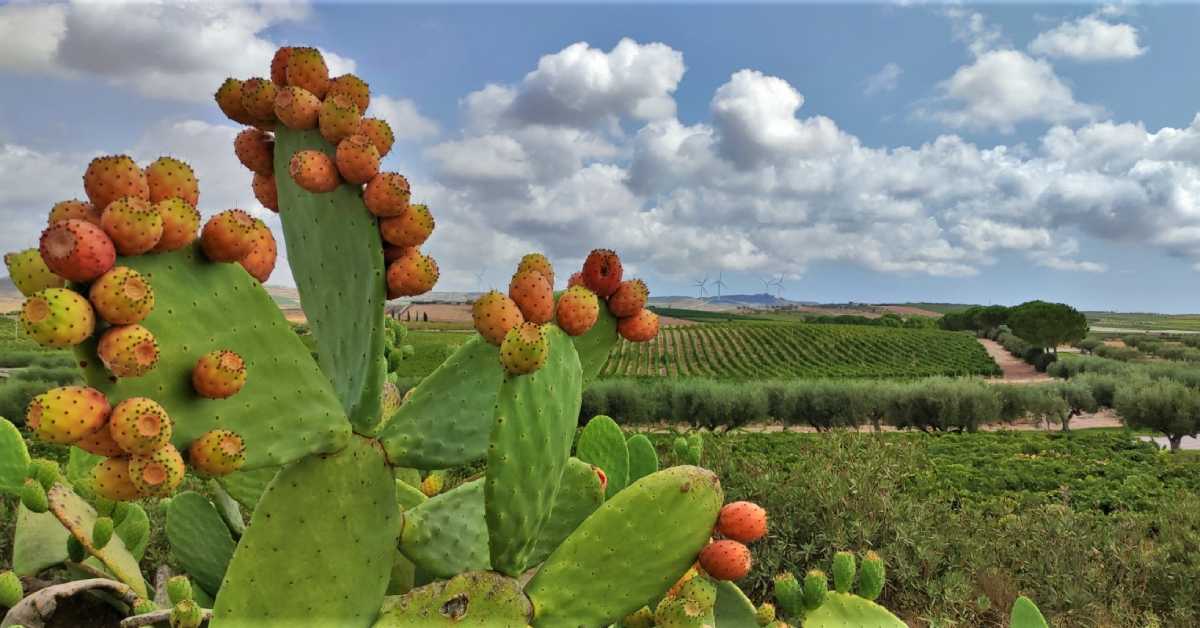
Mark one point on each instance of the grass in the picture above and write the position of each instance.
(430, 349)
(1144, 321)
(703, 316)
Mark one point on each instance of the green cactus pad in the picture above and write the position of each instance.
(14, 459)
(844, 610)
(483, 599)
(79, 518)
(602, 443)
(39, 541)
(733, 608)
(334, 252)
(134, 529)
(663, 520)
(1025, 614)
(200, 540)
(447, 534)
(643, 459)
(595, 345)
(408, 475)
(230, 511)
(448, 418)
(408, 496)
(248, 486)
(530, 443)
(318, 550)
(578, 496)
(286, 410)
(403, 576)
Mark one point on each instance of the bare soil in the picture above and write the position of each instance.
(1016, 370)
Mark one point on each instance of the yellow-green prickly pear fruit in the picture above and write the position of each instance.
(29, 272)
(642, 618)
(11, 590)
(179, 588)
(67, 413)
(58, 317)
(765, 614)
(186, 614)
(525, 349)
(102, 532)
(217, 453)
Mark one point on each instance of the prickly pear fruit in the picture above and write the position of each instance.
(217, 452)
(179, 588)
(74, 209)
(297, 108)
(228, 236)
(11, 590)
(139, 425)
(742, 521)
(602, 272)
(143, 606)
(339, 118)
(168, 177)
(682, 613)
(602, 477)
(58, 317)
(158, 473)
(255, 149)
(576, 279)
(641, 618)
(229, 99)
(102, 532)
(219, 374)
(110, 479)
(629, 298)
(871, 576)
(67, 413)
(843, 571)
(279, 66)
(640, 327)
(77, 250)
(122, 296)
(46, 472)
(33, 496)
(494, 315)
(816, 587)
(353, 88)
(306, 68)
(410, 228)
(538, 262)
(128, 350)
(357, 159)
(412, 274)
(700, 590)
(260, 261)
(134, 225)
(265, 191)
(387, 194)
(532, 293)
(692, 572)
(577, 310)
(112, 177)
(726, 560)
(314, 171)
(258, 98)
(180, 221)
(433, 483)
(380, 133)
(765, 614)
(788, 594)
(100, 442)
(186, 614)
(524, 349)
(29, 272)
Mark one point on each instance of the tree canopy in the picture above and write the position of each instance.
(1046, 324)
(1168, 407)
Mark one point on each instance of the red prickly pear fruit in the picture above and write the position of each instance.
(100, 443)
(538, 262)
(219, 374)
(229, 99)
(67, 413)
(158, 473)
(387, 194)
(265, 191)
(576, 279)
(228, 236)
(134, 225)
(171, 178)
(110, 480)
(640, 327)
(602, 272)
(74, 209)
(77, 250)
(745, 522)
(260, 261)
(255, 148)
(218, 452)
(524, 349)
(339, 118)
(380, 133)
(533, 295)
(353, 88)
(139, 425)
(494, 314)
(128, 350)
(314, 171)
(357, 159)
(279, 66)
(726, 560)
(58, 317)
(297, 108)
(258, 98)
(306, 68)
(112, 177)
(600, 475)
(180, 221)
(122, 296)
(29, 273)
(411, 228)
(411, 274)
(577, 310)
(629, 298)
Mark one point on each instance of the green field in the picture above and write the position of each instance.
(430, 349)
(1144, 321)
(744, 351)
(702, 316)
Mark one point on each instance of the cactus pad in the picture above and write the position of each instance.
(447, 534)
(14, 459)
(733, 607)
(39, 541)
(408, 496)
(578, 496)
(248, 486)
(842, 610)
(1025, 614)
(483, 599)
(603, 444)
(79, 518)
(594, 346)
(643, 459)
(200, 540)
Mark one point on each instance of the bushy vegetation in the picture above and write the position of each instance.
(702, 316)
(890, 319)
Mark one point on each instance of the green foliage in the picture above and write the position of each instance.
(1164, 406)
(1047, 325)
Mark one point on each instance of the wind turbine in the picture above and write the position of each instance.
(719, 284)
(479, 279)
(767, 285)
(778, 283)
(700, 284)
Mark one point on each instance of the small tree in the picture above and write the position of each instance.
(1047, 325)
(1166, 406)
(1078, 399)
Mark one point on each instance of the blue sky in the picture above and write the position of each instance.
(866, 152)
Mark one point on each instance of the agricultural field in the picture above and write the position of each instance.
(744, 351)
(1138, 321)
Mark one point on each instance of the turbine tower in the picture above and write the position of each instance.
(700, 284)
(767, 283)
(719, 284)
(778, 283)
(479, 280)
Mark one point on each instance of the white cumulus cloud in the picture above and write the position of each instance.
(1089, 38)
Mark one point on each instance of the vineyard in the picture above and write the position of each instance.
(781, 350)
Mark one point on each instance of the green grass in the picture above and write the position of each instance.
(1144, 321)
(430, 349)
(940, 308)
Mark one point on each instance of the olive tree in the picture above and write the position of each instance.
(1165, 406)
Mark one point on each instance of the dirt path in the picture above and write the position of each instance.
(1016, 370)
